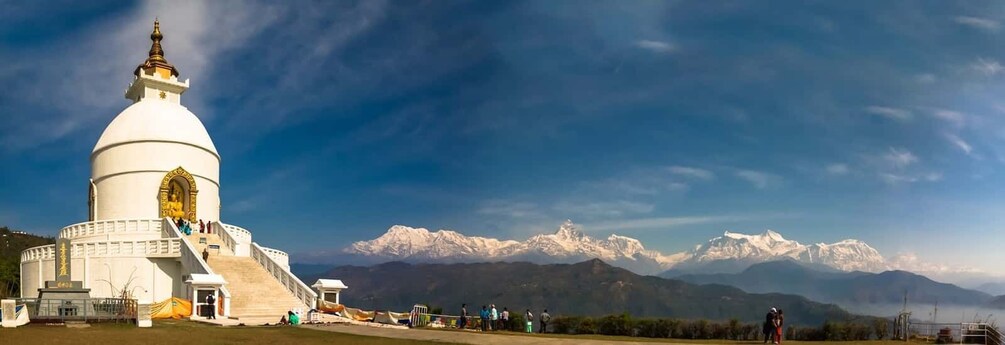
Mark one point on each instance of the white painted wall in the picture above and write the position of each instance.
(153, 279)
(128, 178)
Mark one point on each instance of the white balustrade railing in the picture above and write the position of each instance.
(165, 247)
(282, 274)
(37, 253)
(236, 231)
(236, 238)
(279, 256)
(111, 227)
(192, 260)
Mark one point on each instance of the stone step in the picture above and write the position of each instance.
(254, 291)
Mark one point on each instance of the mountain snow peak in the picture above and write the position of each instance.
(568, 229)
(569, 245)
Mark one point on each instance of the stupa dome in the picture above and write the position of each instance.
(156, 120)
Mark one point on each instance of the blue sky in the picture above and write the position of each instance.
(666, 121)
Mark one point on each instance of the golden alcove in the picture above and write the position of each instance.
(177, 195)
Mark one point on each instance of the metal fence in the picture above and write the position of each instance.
(87, 309)
(957, 333)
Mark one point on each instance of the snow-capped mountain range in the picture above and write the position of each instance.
(727, 253)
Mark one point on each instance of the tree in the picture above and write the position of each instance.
(879, 326)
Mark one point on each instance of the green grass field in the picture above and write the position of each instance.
(187, 332)
(183, 333)
(681, 341)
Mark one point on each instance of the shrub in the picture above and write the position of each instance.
(673, 328)
(563, 325)
(587, 325)
(880, 327)
(516, 322)
(647, 328)
(615, 325)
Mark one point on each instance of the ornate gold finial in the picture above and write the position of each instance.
(156, 56)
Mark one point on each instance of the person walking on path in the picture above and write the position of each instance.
(504, 320)
(769, 326)
(464, 316)
(779, 322)
(495, 318)
(211, 305)
(545, 317)
(530, 321)
(484, 314)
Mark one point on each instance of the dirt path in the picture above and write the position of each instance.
(463, 337)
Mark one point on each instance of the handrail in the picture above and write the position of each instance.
(281, 257)
(236, 239)
(110, 226)
(236, 231)
(193, 262)
(299, 290)
(164, 247)
(39, 252)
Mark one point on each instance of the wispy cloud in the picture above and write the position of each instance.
(899, 158)
(893, 178)
(959, 143)
(925, 78)
(891, 113)
(837, 169)
(655, 223)
(663, 223)
(511, 209)
(954, 117)
(651, 181)
(691, 172)
(978, 23)
(988, 67)
(82, 98)
(603, 208)
(656, 46)
(758, 179)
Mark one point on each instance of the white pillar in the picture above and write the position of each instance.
(7, 306)
(41, 283)
(87, 268)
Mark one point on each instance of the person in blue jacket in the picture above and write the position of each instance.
(484, 314)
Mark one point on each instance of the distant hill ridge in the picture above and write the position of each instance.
(787, 276)
(587, 288)
(12, 242)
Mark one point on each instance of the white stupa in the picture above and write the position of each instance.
(156, 166)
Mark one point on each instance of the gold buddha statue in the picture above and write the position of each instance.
(175, 208)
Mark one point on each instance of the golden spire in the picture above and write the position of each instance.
(156, 58)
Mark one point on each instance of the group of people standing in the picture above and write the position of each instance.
(773, 326)
(492, 319)
(185, 227)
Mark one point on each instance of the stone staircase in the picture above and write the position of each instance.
(256, 296)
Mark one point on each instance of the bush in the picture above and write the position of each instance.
(647, 328)
(625, 325)
(880, 327)
(615, 325)
(563, 325)
(751, 331)
(517, 323)
(587, 325)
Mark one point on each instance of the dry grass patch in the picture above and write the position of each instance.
(184, 332)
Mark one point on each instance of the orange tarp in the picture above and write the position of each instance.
(171, 308)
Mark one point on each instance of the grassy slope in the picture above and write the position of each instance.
(184, 332)
(11, 245)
